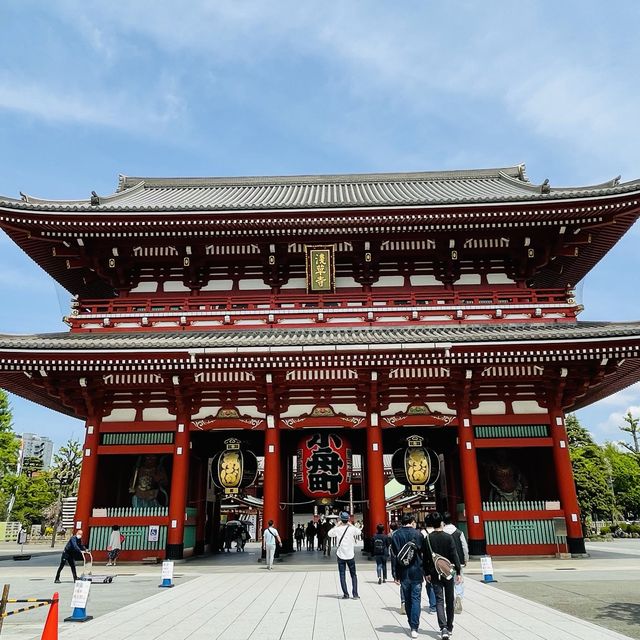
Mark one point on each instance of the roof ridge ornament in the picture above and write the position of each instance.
(95, 199)
(545, 187)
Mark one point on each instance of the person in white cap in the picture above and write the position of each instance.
(345, 534)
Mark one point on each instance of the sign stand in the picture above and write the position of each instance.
(487, 569)
(167, 574)
(79, 602)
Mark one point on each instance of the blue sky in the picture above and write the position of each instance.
(92, 89)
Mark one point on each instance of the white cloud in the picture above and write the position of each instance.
(610, 428)
(623, 398)
(84, 105)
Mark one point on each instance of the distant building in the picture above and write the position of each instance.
(39, 447)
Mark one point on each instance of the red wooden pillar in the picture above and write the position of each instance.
(179, 489)
(566, 484)
(88, 474)
(201, 504)
(470, 483)
(375, 475)
(272, 480)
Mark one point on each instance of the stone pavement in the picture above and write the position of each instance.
(300, 605)
(306, 606)
(231, 595)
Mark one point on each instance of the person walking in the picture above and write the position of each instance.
(442, 543)
(72, 551)
(408, 545)
(394, 564)
(431, 594)
(299, 536)
(380, 551)
(115, 545)
(310, 534)
(463, 555)
(345, 535)
(270, 538)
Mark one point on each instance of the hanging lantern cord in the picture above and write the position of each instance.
(284, 505)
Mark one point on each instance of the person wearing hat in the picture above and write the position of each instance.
(345, 536)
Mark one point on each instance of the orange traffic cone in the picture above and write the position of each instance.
(50, 631)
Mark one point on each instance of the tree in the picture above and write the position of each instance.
(625, 476)
(32, 496)
(31, 465)
(65, 473)
(592, 480)
(9, 450)
(633, 428)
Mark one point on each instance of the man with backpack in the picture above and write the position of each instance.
(407, 544)
(380, 552)
(439, 560)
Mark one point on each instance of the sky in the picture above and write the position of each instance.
(92, 89)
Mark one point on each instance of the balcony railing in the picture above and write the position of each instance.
(201, 311)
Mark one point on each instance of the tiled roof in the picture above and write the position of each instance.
(352, 336)
(323, 191)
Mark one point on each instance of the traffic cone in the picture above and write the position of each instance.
(50, 631)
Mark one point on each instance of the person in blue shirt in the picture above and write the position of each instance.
(72, 551)
(411, 576)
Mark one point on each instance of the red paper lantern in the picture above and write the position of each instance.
(324, 465)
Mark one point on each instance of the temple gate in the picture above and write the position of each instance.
(218, 319)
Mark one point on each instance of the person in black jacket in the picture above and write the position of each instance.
(380, 551)
(443, 544)
(411, 576)
(72, 551)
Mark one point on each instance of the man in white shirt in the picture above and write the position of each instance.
(345, 534)
(270, 537)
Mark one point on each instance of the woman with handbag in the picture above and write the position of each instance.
(114, 546)
(270, 538)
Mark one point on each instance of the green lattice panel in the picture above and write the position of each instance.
(499, 532)
(512, 431)
(150, 437)
(136, 538)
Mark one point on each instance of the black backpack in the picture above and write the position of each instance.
(408, 553)
(379, 546)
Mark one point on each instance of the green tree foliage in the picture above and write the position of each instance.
(625, 476)
(67, 463)
(632, 427)
(9, 449)
(65, 471)
(32, 495)
(31, 465)
(590, 472)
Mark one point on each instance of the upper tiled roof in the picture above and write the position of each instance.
(323, 192)
(351, 336)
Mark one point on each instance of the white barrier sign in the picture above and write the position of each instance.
(487, 565)
(153, 534)
(167, 570)
(80, 594)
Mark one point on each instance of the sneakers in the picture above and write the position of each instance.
(445, 635)
(402, 609)
(379, 580)
(56, 581)
(345, 597)
(355, 597)
(414, 633)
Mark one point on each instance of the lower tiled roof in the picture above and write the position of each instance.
(341, 337)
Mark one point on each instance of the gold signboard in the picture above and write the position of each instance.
(321, 276)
